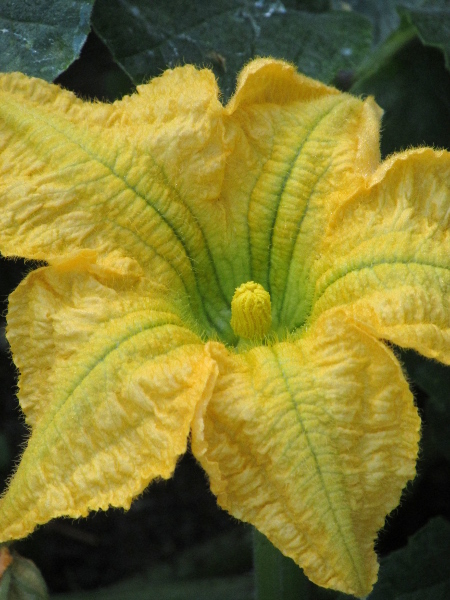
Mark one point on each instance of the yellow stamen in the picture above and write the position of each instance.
(250, 311)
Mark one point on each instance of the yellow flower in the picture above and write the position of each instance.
(150, 213)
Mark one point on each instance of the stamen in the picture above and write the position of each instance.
(251, 311)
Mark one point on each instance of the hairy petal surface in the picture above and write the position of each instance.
(386, 258)
(109, 384)
(299, 149)
(171, 178)
(312, 442)
(134, 176)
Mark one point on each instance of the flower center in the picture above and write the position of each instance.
(250, 311)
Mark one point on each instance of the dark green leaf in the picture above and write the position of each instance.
(433, 27)
(148, 37)
(420, 570)
(434, 379)
(308, 5)
(396, 23)
(206, 571)
(382, 14)
(413, 88)
(42, 37)
(22, 581)
(239, 587)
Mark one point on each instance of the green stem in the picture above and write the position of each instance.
(277, 577)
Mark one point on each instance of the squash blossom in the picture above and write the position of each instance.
(234, 273)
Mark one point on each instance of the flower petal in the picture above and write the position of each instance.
(133, 176)
(172, 179)
(299, 148)
(109, 384)
(312, 442)
(387, 254)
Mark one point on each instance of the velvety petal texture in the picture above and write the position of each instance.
(386, 256)
(151, 212)
(312, 441)
(107, 177)
(109, 385)
(300, 148)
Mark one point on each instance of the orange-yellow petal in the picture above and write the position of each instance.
(172, 179)
(132, 177)
(299, 148)
(110, 379)
(386, 257)
(312, 442)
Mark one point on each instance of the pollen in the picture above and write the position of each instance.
(250, 311)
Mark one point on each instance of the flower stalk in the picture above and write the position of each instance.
(277, 577)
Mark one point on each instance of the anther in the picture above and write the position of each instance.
(251, 311)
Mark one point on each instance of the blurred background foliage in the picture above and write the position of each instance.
(174, 542)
